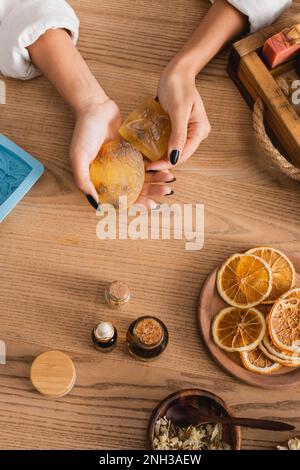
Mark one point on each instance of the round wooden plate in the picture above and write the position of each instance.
(210, 303)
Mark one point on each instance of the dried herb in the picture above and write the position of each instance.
(292, 444)
(204, 437)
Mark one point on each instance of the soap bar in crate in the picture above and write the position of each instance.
(282, 46)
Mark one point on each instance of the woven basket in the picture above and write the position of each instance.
(284, 165)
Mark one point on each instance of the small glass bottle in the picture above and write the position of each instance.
(147, 338)
(117, 294)
(104, 336)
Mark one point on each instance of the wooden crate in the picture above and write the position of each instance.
(254, 79)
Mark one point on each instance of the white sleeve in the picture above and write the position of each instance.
(23, 25)
(260, 12)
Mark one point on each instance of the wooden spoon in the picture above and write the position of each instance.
(189, 415)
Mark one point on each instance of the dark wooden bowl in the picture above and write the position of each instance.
(207, 402)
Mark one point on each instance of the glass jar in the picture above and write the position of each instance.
(117, 294)
(147, 338)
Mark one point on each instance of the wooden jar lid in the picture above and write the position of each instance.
(53, 374)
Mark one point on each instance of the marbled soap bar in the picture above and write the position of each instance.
(282, 47)
(148, 128)
(118, 171)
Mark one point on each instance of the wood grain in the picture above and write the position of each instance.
(54, 268)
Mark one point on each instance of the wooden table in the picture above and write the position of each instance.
(54, 268)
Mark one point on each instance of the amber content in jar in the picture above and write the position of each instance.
(147, 338)
(117, 294)
(104, 336)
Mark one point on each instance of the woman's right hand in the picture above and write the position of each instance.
(96, 123)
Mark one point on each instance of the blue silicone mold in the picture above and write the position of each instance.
(18, 173)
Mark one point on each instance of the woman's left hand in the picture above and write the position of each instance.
(179, 97)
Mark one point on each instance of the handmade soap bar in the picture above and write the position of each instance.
(118, 171)
(283, 46)
(148, 128)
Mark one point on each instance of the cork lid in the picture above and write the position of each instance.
(118, 291)
(53, 374)
(148, 331)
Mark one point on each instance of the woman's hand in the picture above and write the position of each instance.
(179, 97)
(177, 91)
(157, 184)
(96, 123)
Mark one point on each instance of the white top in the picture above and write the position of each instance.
(261, 12)
(22, 22)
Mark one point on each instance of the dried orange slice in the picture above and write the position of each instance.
(275, 351)
(284, 274)
(244, 280)
(284, 324)
(288, 362)
(257, 361)
(292, 294)
(239, 330)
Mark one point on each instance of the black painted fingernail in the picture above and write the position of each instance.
(170, 194)
(157, 99)
(174, 156)
(92, 201)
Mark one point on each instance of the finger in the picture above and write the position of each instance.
(148, 203)
(160, 165)
(198, 133)
(156, 190)
(81, 171)
(198, 130)
(159, 177)
(179, 122)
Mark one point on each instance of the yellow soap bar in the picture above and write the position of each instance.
(118, 171)
(148, 128)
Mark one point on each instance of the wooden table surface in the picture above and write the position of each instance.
(54, 268)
